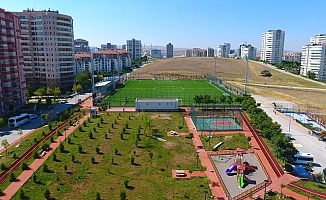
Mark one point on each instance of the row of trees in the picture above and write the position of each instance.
(207, 99)
(283, 147)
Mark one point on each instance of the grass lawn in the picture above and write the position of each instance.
(231, 142)
(181, 89)
(27, 142)
(112, 171)
(320, 187)
(302, 193)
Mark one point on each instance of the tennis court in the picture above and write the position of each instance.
(215, 123)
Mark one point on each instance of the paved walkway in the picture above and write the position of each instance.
(25, 175)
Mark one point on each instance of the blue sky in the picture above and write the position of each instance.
(187, 23)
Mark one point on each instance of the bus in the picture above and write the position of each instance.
(303, 158)
(19, 120)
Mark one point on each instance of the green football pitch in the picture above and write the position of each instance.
(183, 90)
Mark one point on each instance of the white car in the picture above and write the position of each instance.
(32, 116)
(173, 133)
(64, 101)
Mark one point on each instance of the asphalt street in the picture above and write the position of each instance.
(301, 139)
(11, 134)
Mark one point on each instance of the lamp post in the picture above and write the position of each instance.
(246, 81)
(266, 181)
(205, 193)
(215, 68)
(65, 127)
(197, 159)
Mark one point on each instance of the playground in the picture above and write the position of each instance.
(237, 177)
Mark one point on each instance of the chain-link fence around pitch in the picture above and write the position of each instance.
(223, 118)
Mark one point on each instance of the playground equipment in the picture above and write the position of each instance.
(240, 166)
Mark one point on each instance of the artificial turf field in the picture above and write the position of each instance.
(184, 90)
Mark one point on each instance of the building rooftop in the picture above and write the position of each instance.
(157, 100)
(83, 55)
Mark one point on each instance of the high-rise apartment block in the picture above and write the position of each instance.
(135, 48)
(12, 80)
(48, 48)
(81, 46)
(247, 51)
(188, 53)
(313, 57)
(210, 52)
(169, 50)
(111, 60)
(272, 46)
(224, 50)
(156, 53)
(83, 62)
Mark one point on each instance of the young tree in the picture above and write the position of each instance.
(5, 144)
(56, 92)
(2, 122)
(20, 133)
(47, 194)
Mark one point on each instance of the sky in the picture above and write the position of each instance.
(187, 23)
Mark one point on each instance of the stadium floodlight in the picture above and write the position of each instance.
(246, 81)
(215, 68)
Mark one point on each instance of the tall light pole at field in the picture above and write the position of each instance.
(246, 81)
(215, 68)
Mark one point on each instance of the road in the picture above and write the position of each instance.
(11, 134)
(303, 141)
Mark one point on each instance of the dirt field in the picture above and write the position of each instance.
(233, 71)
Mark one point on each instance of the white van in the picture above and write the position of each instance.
(303, 158)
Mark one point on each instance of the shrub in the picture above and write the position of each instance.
(35, 155)
(25, 166)
(98, 196)
(50, 126)
(65, 168)
(105, 135)
(12, 176)
(51, 139)
(132, 160)
(98, 125)
(69, 141)
(14, 156)
(93, 160)
(80, 129)
(123, 195)
(138, 136)
(102, 120)
(94, 129)
(125, 182)
(61, 147)
(80, 149)
(97, 150)
(112, 125)
(116, 151)
(90, 135)
(43, 133)
(34, 177)
(89, 120)
(59, 133)
(54, 158)
(180, 126)
(190, 135)
(112, 160)
(121, 135)
(84, 124)
(45, 168)
(3, 167)
(47, 193)
(73, 158)
(21, 194)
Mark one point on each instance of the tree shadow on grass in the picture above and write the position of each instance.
(136, 164)
(129, 187)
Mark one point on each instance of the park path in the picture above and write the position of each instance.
(25, 175)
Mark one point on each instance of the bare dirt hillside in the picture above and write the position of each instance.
(233, 71)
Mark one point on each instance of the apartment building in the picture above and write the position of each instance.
(247, 51)
(224, 50)
(83, 62)
(12, 80)
(111, 60)
(296, 57)
(169, 50)
(81, 45)
(210, 52)
(314, 60)
(156, 53)
(318, 39)
(188, 53)
(48, 48)
(135, 47)
(272, 46)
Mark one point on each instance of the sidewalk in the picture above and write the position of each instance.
(25, 175)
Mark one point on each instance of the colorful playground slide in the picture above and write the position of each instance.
(241, 181)
(230, 169)
(250, 167)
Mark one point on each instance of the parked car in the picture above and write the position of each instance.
(64, 101)
(32, 116)
(40, 112)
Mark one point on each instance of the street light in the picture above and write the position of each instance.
(65, 131)
(205, 192)
(266, 182)
(215, 68)
(197, 159)
(246, 81)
